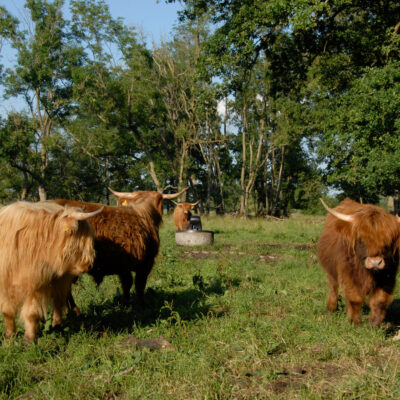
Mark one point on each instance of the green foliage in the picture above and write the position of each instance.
(361, 131)
(311, 92)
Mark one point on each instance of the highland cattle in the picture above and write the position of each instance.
(42, 248)
(182, 215)
(359, 251)
(126, 241)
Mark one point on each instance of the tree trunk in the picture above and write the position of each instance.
(243, 200)
(42, 193)
(182, 165)
(276, 212)
(26, 188)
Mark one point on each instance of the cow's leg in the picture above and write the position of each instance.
(353, 295)
(31, 315)
(140, 284)
(71, 302)
(354, 302)
(9, 313)
(126, 284)
(354, 311)
(72, 305)
(33, 310)
(379, 302)
(333, 293)
(31, 326)
(60, 291)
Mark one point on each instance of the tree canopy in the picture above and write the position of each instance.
(259, 106)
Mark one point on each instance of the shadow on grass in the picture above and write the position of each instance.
(393, 318)
(159, 304)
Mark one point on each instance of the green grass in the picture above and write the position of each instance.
(245, 319)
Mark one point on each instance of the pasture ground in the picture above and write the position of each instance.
(242, 319)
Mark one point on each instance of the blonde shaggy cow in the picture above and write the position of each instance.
(43, 246)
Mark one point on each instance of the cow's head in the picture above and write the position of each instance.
(373, 233)
(140, 196)
(74, 224)
(72, 215)
(186, 207)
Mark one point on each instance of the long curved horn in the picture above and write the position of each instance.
(79, 216)
(341, 216)
(195, 204)
(128, 195)
(177, 204)
(174, 195)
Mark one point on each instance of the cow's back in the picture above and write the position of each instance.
(126, 238)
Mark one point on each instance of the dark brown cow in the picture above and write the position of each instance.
(359, 251)
(182, 215)
(126, 239)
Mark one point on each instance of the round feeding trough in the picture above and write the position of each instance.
(192, 237)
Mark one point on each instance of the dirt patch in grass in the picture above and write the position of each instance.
(296, 246)
(200, 254)
(204, 254)
(271, 258)
(318, 375)
(152, 344)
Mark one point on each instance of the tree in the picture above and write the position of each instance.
(334, 54)
(116, 92)
(19, 154)
(43, 74)
(190, 103)
(353, 89)
(360, 136)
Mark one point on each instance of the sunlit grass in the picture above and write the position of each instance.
(245, 318)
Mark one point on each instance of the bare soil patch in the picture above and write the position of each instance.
(203, 254)
(320, 374)
(296, 246)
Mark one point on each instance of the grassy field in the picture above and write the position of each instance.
(242, 319)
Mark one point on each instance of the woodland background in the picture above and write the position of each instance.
(259, 106)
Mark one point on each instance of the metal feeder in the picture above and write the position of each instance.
(195, 223)
(194, 236)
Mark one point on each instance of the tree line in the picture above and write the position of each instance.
(260, 106)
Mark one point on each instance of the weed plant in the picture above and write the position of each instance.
(244, 318)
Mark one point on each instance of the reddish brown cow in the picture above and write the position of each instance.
(43, 246)
(359, 251)
(126, 239)
(182, 215)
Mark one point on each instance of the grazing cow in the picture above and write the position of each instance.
(182, 215)
(359, 251)
(43, 247)
(126, 240)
